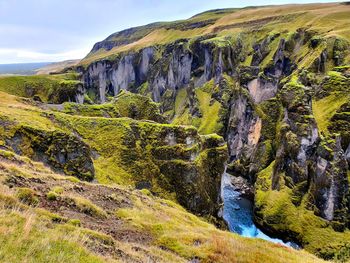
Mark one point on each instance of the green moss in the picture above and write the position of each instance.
(272, 46)
(52, 196)
(146, 192)
(126, 104)
(181, 102)
(58, 189)
(7, 155)
(75, 222)
(292, 94)
(270, 113)
(334, 82)
(219, 42)
(62, 151)
(342, 69)
(210, 120)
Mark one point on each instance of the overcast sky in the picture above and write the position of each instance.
(55, 30)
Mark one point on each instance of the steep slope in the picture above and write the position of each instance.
(274, 82)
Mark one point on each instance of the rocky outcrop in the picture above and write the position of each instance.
(312, 163)
(63, 152)
(170, 161)
(126, 104)
(244, 127)
(175, 68)
(330, 184)
(179, 162)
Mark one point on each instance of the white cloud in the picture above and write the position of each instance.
(20, 55)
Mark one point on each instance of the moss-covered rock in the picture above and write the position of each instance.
(64, 152)
(340, 123)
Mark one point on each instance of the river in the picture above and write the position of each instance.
(238, 214)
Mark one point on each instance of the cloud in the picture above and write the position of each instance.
(53, 30)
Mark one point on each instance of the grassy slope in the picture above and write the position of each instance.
(209, 108)
(336, 88)
(328, 19)
(123, 156)
(62, 219)
(325, 108)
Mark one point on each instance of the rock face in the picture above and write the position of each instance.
(260, 101)
(314, 163)
(190, 64)
(330, 183)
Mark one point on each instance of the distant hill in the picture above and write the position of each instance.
(56, 67)
(22, 68)
(40, 68)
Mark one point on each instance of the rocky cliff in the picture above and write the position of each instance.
(275, 87)
(162, 108)
(105, 183)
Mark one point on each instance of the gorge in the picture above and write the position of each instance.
(260, 87)
(164, 132)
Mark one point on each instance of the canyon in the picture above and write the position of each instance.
(156, 117)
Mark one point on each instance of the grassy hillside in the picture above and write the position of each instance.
(329, 20)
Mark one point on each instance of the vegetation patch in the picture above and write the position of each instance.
(126, 104)
(325, 108)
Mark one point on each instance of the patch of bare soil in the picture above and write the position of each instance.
(110, 199)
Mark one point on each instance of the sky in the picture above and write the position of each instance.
(56, 30)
